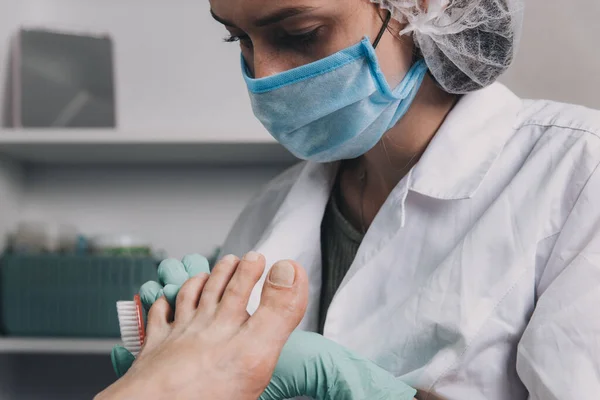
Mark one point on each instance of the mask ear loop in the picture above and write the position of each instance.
(383, 29)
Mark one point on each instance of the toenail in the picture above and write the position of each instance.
(229, 259)
(252, 256)
(282, 274)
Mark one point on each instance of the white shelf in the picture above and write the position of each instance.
(116, 136)
(100, 146)
(56, 346)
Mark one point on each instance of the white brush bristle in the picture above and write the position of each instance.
(128, 324)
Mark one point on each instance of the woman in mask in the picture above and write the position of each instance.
(449, 229)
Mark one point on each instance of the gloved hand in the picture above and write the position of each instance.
(311, 365)
(171, 276)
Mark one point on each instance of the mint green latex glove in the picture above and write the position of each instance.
(172, 274)
(311, 365)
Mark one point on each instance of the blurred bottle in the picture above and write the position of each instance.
(31, 237)
(120, 245)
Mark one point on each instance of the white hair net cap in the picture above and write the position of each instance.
(467, 44)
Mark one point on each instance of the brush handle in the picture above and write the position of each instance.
(140, 317)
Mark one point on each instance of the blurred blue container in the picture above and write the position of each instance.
(67, 295)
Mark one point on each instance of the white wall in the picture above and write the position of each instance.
(172, 66)
(559, 57)
(178, 209)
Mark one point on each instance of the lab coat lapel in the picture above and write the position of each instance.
(295, 234)
(386, 225)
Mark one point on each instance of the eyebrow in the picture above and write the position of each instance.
(277, 16)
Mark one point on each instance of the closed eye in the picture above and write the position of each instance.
(243, 39)
(300, 40)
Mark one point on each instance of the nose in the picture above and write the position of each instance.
(265, 64)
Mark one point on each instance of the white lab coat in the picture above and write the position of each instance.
(480, 276)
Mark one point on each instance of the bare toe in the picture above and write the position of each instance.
(235, 298)
(188, 298)
(159, 321)
(219, 278)
(282, 306)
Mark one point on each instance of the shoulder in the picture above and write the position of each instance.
(260, 210)
(563, 137)
(559, 158)
(559, 119)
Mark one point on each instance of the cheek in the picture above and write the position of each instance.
(395, 58)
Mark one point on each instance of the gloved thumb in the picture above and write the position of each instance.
(122, 359)
(313, 366)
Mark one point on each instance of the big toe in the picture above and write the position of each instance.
(282, 306)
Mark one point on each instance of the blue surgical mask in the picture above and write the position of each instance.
(335, 108)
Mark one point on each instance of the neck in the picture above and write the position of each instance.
(402, 146)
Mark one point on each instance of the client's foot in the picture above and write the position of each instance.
(214, 349)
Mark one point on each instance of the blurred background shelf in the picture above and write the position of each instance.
(100, 146)
(56, 346)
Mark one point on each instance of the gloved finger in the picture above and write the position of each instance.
(149, 293)
(172, 272)
(171, 292)
(158, 296)
(121, 359)
(195, 264)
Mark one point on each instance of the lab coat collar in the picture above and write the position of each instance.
(467, 144)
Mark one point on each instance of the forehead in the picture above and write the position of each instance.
(245, 11)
